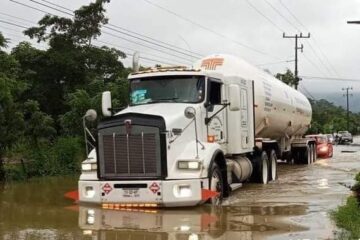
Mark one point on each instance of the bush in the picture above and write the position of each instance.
(63, 157)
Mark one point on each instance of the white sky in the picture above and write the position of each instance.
(214, 26)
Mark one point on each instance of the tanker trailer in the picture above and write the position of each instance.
(192, 135)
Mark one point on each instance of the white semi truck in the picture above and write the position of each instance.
(194, 135)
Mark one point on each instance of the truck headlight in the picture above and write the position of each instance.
(87, 167)
(89, 192)
(192, 165)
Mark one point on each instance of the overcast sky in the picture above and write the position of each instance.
(250, 29)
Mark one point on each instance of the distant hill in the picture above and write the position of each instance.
(339, 100)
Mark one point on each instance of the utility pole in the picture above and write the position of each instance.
(347, 105)
(296, 36)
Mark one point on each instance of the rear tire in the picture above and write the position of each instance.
(216, 184)
(307, 155)
(261, 169)
(273, 165)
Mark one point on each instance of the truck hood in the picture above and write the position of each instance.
(173, 113)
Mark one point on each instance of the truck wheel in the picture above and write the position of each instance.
(307, 155)
(312, 160)
(216, 184)
(296, 153)
(261, 169)
(273, 165)
(314, 153)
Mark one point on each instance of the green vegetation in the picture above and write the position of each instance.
(45, 93)
(348, 216)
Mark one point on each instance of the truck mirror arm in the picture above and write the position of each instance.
(208, 119)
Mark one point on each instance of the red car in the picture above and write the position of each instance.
(324, 147)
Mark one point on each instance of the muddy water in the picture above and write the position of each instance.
(296, 206)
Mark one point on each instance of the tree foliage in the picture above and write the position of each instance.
(45, 93)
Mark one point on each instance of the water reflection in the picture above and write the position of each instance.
(189, 224)
(37, 210)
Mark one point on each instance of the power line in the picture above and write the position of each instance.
(13, 24)
(124, 29)
(331, 78)
(207, 29)
(23, 19)
(119, 31)
(280, 14)
(113, 35)
(314, 38)
(262, 14)
(312, 63)
(133, 50)
(273, 63)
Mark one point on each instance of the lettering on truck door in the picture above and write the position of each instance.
(244, 117)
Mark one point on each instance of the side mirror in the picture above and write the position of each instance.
(234, 97)
(106, 104)
(90, 115)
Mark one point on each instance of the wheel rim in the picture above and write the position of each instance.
(265, 171)
(273, 168)
(308, 156)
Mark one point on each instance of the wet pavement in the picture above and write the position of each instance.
(296, 206)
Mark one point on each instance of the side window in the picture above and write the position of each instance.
(215, 93)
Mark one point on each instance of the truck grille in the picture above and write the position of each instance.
(124, 155)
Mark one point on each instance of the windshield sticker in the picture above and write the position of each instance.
(138, 95)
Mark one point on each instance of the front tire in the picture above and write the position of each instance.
(216, 183)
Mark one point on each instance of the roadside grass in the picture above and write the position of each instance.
(348, 216)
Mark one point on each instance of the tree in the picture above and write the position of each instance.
(71, 62)
(288, 77)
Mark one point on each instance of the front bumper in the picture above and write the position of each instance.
(167, 193)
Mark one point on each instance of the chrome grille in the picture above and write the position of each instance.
(130, 155)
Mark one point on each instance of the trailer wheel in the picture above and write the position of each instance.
(314, 153)
(312, 160)
(307, 155)
(216, 184)
(273, 165)
(261, 169)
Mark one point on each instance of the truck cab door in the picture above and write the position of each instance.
(216, 126)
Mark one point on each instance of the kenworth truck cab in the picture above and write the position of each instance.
(187, 137)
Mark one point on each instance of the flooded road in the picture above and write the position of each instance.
(296, 206)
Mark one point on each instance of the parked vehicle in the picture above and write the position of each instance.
(345, 137)
(324, 146)
(193, 135)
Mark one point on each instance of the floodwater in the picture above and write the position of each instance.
(296, 206)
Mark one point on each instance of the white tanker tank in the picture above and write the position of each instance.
(280, 110)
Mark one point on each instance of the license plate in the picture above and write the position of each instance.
(131, 193)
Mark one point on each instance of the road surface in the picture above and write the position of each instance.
(296, 206)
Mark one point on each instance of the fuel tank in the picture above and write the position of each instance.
(280, 110)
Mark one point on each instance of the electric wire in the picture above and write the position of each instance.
(113, 35)
(313, 37)
(208, 29)
(124, 29)
(118, 31)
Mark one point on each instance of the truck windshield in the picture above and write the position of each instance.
(179, 89)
